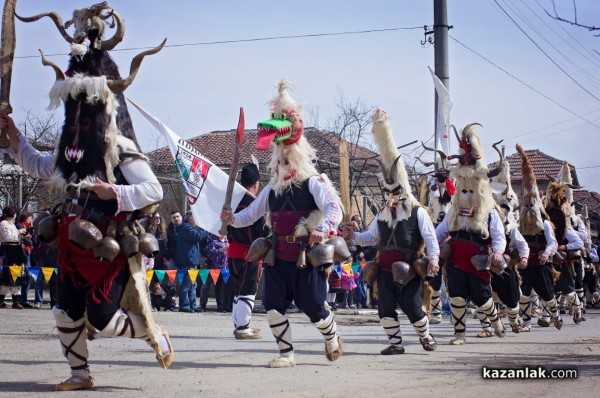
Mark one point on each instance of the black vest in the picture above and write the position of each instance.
(247, 235)
(296, 198)
(405, 235)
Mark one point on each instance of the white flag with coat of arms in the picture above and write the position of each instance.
(442, 129)
(205, 184)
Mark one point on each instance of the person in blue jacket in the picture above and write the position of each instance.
(187, 256)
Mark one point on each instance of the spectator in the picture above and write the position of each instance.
(360, 254)
(25, 221)
(156, 226)
(12, 254)
(45, 256)
(348, 285)
(334, 281)
(187, 256)
(176, 221)
(216, 258)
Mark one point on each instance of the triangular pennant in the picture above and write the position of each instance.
(171, 274)
(225, 274)
(337, 269)
(34, 272)
(193, 273)
(15, 271)
(160, 275)
(214, 274)
(149, 275)
(362, 264)
(180, 274)
(47, 271)
(355, 267)
(203, 275)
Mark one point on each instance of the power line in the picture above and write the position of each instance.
(545, 53)
(523, 83)
(210, 43)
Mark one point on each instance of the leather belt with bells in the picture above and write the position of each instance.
(93, 215)
(293, 239)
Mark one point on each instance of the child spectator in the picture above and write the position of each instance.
(335, 286)
(348, 285)
(216, 258)
(162, 299)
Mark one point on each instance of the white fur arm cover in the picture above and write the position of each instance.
(551, 243)
(497, 233)
(31, 160)
(326, 202)
(428, 234)
(518, 242)
(143, 189)
(369, 237)
(256, 210)
(575, 241)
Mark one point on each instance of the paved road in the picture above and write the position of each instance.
(209, 361)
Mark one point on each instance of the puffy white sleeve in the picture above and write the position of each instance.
(428, 233)
(258, 208)
(441, 231)
(369, 237)
(575, 241)
(518, 242)
(31, 160)
(497, 233)
(143, 189)
(322, 192)
(551, 242)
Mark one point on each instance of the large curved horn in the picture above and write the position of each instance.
(385, 177)
(439, 152)
(57, 21)
(120, 85)
(59, 73)
(497, 170)
(111, 43)
(426, 164)
(389, 180)
(455, 132)
(551, 178)
(574, 186)
(469, 125)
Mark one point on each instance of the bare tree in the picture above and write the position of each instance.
(17, 187)
(574, 21)
(352, 122)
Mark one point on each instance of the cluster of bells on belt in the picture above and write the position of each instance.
(85, 235)
(325, 254)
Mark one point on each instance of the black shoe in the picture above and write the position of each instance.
(27, 305)
(186, 310)
(199, 309)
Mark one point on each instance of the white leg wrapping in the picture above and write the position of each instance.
(391, 327)
(242, 311)
(535, 301)
(581, 296)
(489, 309)
(486, 325)
(280, 327)
(573, 301)
(73, 343)
(436, 307)
(550, 308)
(132, 325)
(545, 314)
(333, 342)
(513, 316)
(525, 305)
(422, 328)
(458, 305)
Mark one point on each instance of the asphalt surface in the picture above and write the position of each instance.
(210, 362)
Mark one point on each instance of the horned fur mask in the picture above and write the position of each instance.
(532, 213)
(97, 129)
(473, 201)
(505, 196)
(393, 176)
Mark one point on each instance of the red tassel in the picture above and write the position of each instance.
(450, 188)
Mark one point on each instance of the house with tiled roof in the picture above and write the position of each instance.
(218, 147)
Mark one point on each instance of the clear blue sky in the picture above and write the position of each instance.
(199, 88)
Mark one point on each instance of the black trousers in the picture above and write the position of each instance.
(75, 301)
(409, 297)
(466, 285)
(243, 277)
(307, 287)
(436, 281)
(578, 265)
(566, 281)
(538, 277)
(590, 279)
(506, 287)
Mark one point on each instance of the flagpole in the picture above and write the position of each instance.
(440, 45)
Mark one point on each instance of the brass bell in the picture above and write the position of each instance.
(258, 250)
(269, 259)
(130, 245)
(148, 245)
(111, 229)
(321, 255)
(47, 229)
(341, 252)
(301, 263)
(445, 251)
(39, 218)
(84, 234)
(482, 262)
(402, 273)
(107, 250)
(421, 267)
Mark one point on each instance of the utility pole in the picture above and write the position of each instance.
(440, 46)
